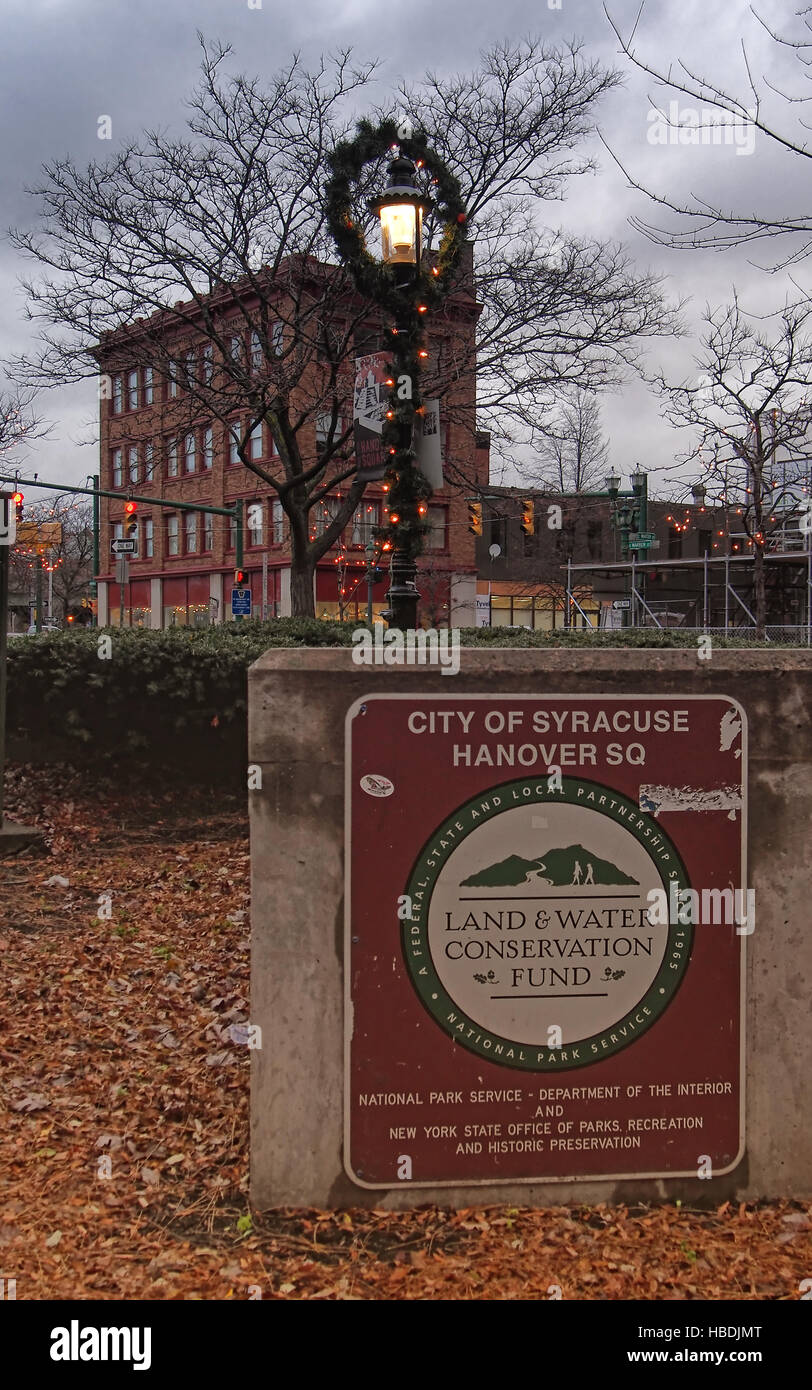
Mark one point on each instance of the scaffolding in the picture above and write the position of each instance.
(717, 598)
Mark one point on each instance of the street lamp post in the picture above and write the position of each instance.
(405, 289)
(401, 210)
(629, 514)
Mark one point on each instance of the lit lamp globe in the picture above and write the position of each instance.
(401, 208)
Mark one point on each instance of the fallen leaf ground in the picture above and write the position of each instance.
(124, 1101)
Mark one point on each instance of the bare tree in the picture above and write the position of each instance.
(573, 455)
(707, 223)
(192, 246)
(70, 559)
(749, 402)
(557, 311)
(19, 425)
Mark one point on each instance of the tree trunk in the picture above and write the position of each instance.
(759, 591)
(302, 590)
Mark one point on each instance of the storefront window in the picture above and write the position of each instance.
(500, 611)
(522, 612)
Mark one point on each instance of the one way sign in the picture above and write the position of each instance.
(124, 545)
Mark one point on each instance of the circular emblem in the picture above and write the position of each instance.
(535, 939)
(377, 785)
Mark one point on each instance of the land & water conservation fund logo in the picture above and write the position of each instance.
(529, 940)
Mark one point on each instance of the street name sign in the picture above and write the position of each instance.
(240, 603)
(641, 542)
(546, 919)
(122, 546)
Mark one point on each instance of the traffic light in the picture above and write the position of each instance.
(528, 518)
(475, 518)
(239, 578)
(18, 499)
(130, 521)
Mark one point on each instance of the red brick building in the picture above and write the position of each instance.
(156, 442)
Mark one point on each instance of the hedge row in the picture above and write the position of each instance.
(182, 692)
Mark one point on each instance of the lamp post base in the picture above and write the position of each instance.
(402, 593)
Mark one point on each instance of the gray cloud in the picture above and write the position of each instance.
(65, 63)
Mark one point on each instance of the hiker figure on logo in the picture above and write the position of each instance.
(576, 873)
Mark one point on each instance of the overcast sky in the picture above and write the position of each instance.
(64, 63)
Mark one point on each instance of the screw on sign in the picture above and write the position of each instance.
(541, 976)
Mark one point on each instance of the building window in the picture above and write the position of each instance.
(497, 532)
(277, 339)
(208, 447)
(117, 395)
(705, 542)
(149, 540)
(565, 538)
(172, 380)
(232, 533)
(278, 522)
(365, 519)
(254, 517)
(118, 530)
(436, 535)
(207, 364)
(256, 351)
(235, 347)
(190, 529)
(149, 461)
(132, 390)
(172, 458)
(208, 531)
(189, 453)
(255, 442)
(172, 536)
(234, 444)
(594, 537)
(132, 463)
(117, 471)
(149, 388)
(190, 368)
(322, 515)
(674, 544)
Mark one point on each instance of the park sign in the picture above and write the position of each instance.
(544, 941)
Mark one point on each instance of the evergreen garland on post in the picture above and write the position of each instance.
(407, 305)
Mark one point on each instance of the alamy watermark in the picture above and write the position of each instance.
(391, 647)
(710, 907)
(703, 125)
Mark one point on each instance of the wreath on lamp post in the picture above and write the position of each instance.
(407, 305)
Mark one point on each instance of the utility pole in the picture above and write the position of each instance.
(94, 587)
(13, 837)
(38, 595)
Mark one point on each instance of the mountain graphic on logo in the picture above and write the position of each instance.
(570, 867)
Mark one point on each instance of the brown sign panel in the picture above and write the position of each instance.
(546, 921)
